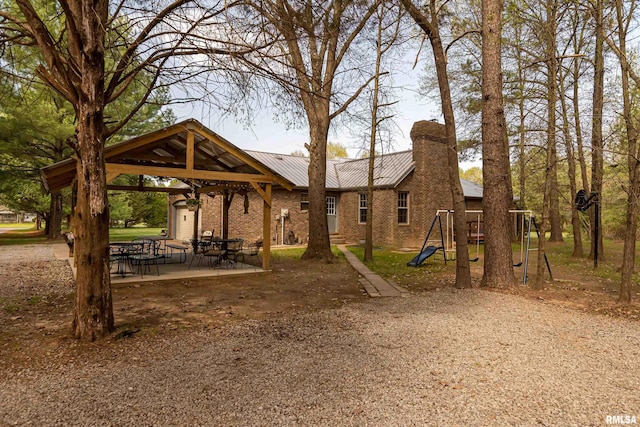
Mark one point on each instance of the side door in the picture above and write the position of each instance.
(332, 217)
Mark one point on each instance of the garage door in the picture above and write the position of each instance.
(184, 223)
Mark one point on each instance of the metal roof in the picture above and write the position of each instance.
(349, 174)
(471, 189)
(294, 168)
(389, 170)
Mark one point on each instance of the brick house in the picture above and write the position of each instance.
(410, 186)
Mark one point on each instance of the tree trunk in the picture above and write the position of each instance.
(629, 250)
(578, 43)
(498, 267)
(463, 272)
(93, 315)
(552, 96)
(596, 126)
(319, 246)
(429, 24)
(571, 164)
(46, 224)
(368, 240)
(632, 134)
(54, 224)
(522, 132)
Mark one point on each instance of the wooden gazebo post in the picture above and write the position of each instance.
(266, 229)
(265, 193)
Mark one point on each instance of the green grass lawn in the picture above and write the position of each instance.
(24, 234)
(296, 253)
(20, 225)
(130, 233)
(392, 264)
(28, 235)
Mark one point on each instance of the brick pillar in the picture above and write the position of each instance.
(431, 177)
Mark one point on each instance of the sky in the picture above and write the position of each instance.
(265, 134)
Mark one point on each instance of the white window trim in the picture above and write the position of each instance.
(360, 208)
(304, 201)
(406, 208)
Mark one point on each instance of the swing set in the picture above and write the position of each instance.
(523, 223)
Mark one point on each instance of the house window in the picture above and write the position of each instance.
(362, 209)
(304, 201)
(403, 207)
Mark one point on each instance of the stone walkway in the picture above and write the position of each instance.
(375, 285)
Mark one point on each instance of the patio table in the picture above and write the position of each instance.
(121, 251)
(157, 248)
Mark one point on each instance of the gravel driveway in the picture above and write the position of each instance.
(442, 358)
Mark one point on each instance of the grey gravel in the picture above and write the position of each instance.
(31, 270)
(442, 358)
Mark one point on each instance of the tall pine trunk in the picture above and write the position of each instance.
(629, 249)
(373, 135)
(463, 272)
(429, 24)
(571, 163)
(632, 134)
(93, 316)
(552, 96)
(54, 222)
(498, 267)
(596, 126)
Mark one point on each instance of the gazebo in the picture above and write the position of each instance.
(189, 152)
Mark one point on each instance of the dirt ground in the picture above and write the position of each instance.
(35, 322)
(36, 302)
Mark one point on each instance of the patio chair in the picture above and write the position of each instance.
(234, 249)
(118, 255)
(198, 248)
(252, 249)
(214, 255)
(147, 256)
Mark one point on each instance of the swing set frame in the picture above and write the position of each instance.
(523, 222)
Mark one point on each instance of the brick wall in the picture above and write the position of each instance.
(386, 230)
(249, 226)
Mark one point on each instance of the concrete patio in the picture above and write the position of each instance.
(170, 269)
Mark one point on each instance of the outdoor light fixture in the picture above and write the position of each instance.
(246, 203)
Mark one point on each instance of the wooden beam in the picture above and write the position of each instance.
(266, 229)
(141, 141)
(190, 150)
(149, 156)
(182, 173)
(149, 189)
(215, 188)
(112, 176)
(261, 192)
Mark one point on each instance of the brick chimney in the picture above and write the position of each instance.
(431, 175)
